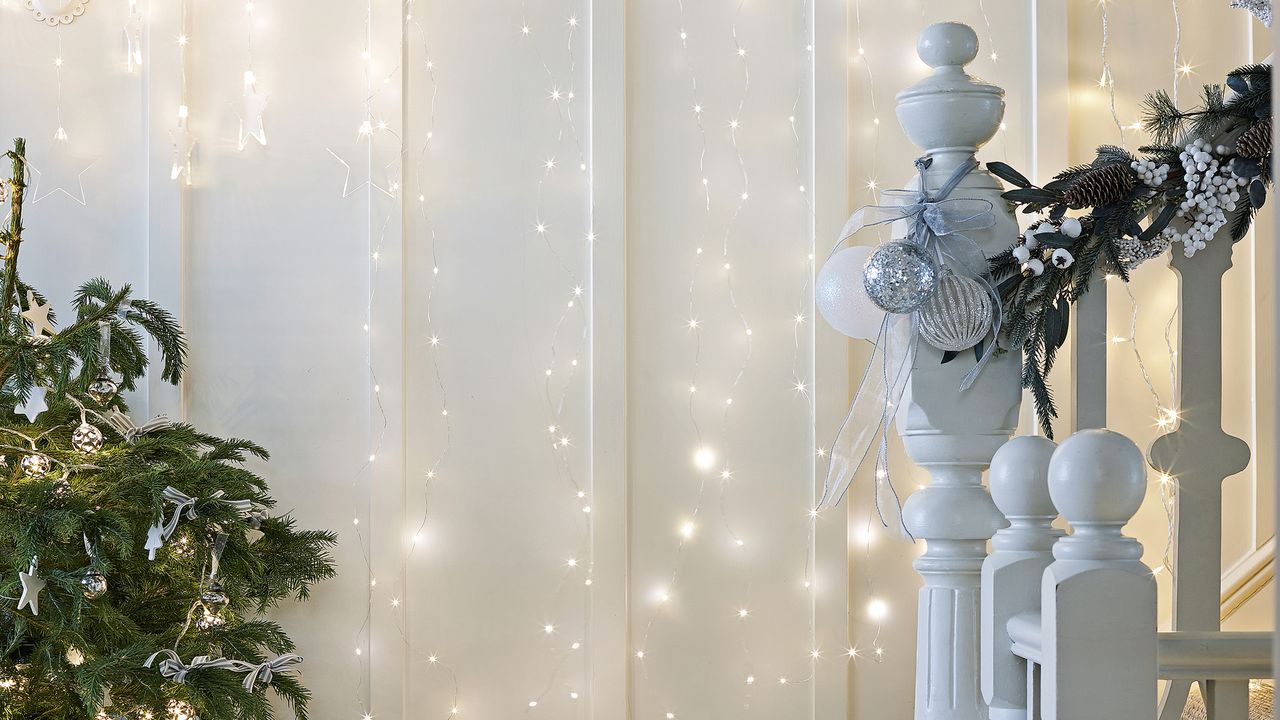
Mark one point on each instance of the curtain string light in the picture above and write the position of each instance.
(181, 136)
(133, 37)
(1107, 79)
(574, 572)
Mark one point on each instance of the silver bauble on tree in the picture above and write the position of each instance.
(87, 439)
(36, 465)
(958, 315)
(103, 388)
(214, 598)
(900, 277)
(93, 585)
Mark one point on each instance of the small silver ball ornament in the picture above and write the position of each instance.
(900, 277)
(36, 465)
(958, 315)
(102, 389)
(214, 598)
(93, 585)
(207, 619)
(87, 439)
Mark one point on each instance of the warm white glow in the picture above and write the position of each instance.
(877, 610)
(704, 458)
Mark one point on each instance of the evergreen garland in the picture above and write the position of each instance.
(1132, 202)
(65, 662)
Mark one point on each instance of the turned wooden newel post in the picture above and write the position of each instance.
(1098, 601)
(1012, 573)
(952, 433)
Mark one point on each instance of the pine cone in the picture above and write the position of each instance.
(1101, 186)
(1255, 143)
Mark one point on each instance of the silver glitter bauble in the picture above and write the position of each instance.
(900, 277)
(214, 598)
(36, 465)
(87, 439)
(207, 619)
(103, 388)
(958, 315)
(93, 585)
(61, 488)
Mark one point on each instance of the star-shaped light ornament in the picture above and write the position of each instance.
(34, 405)
(38, 316)
(184, 145)
(364, 167)
(133, 37)
(32, 584)
(63, 172)
(252, 106)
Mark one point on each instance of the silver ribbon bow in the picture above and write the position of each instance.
(183, 502)
(123, 424)
(172, 667)
(938, 225)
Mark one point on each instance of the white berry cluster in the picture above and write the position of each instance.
(1031, 257)
(1149, 173)
(1212, 192)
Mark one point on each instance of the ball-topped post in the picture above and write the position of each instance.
(1011, 575)
(1098, 601)
(953, 433)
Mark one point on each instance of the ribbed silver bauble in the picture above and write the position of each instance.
(87, 439)
(958, 315)
(93, 585)
(900, 277)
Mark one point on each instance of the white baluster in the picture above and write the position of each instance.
(1098, 601)
(950, 433)
(1011, 575)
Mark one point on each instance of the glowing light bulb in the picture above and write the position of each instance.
(548, 629)
(743, 613)
(704, 458)
(640, 654)
(877, 610)
(686, 530)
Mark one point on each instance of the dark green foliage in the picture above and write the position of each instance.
(1037, 307)
(110, 498)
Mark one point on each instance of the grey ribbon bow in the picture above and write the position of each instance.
(183, 502)
(938, 225)
(172, 667)
(123, 424)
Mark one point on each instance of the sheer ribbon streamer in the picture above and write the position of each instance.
(938, 226)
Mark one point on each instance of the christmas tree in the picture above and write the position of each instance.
(135, 561)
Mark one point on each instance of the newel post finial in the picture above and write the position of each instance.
(950, 113)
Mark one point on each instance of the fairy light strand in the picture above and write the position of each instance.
(1107, 80)
(182, 139)
(561, 95)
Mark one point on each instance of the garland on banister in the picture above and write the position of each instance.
(1208, 170)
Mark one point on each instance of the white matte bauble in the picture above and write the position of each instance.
(900, 277)
(841, 297)
(958, 315)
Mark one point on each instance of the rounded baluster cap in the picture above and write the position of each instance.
(1097, 477)
(1020, 477)
(947, 43)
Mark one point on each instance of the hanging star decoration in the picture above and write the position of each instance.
(349, 187)
(64, 172)
(252, 106)
(133, 37)
(38, 316)
(34, 405)
(1261, 9)
(32, 584)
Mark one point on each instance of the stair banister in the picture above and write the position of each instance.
(1098, 601)
(950, 433)
(1011, 574)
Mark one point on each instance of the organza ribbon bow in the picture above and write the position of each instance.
(937, 224)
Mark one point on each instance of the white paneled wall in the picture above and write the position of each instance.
(467, 521)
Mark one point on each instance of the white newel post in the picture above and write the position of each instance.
(950, 433)
(1098, 601)
(1011, 575)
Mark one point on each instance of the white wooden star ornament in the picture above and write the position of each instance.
(38, 316)
(34, 405)
(32, 584)
(56, 12)
(252, 106)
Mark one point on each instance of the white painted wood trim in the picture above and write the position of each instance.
(1248, 577)
(1215, 655)
(609, 641)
